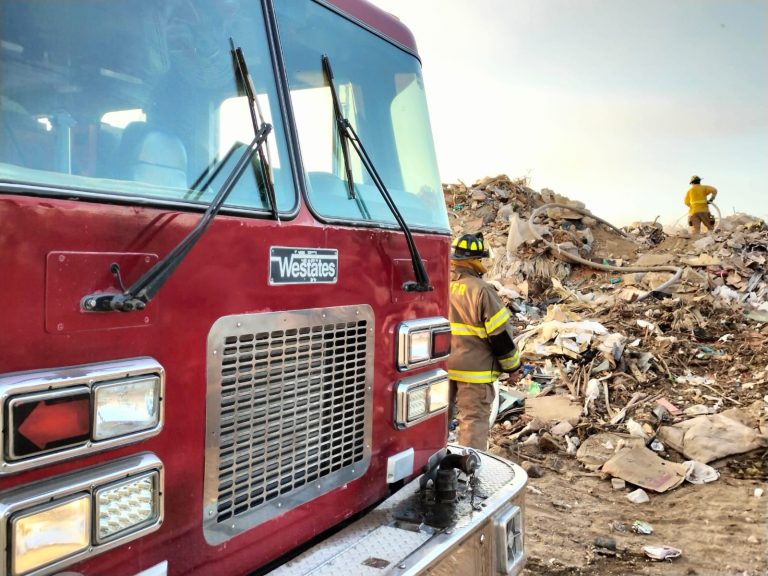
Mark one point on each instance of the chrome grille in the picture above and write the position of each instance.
(288, 411)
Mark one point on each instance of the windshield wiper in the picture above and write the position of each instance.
(344, 138)
(209, 173)
(340, 120)
(347, 134)
(139, 294)
(203, 181)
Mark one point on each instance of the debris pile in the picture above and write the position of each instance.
(644, 349)
(729, 264)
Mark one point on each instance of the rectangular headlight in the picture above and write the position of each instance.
(126, 406)
(420, 396)
(50, 533)
(417, 403)
(50, 524)
(419, 346)
(74, 411)
(439, 395)
(126, 506)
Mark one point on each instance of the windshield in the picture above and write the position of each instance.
(136, 98)
(382, 95)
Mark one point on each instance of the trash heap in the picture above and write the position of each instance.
(651, 387)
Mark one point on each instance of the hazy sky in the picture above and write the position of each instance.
(612, 102)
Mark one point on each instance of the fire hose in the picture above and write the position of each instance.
(573, 258)
(709, 230)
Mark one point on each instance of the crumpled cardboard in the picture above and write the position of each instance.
(642, 467)
(553, 409)
(599, 448)
(714, 436)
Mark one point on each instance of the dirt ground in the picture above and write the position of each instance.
(721, 527)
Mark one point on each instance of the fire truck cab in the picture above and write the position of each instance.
(224, 250)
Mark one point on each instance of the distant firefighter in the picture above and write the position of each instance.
(698, 198)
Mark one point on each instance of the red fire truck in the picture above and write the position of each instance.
(223, 250)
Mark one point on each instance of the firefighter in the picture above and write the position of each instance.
(481, 341)
(698, 199)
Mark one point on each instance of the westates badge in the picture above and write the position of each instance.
(303, 265)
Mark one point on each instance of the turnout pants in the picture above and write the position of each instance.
(473, 402)
(696, 220)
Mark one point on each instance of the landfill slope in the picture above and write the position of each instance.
(638, 390)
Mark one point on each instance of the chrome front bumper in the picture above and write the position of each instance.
(483, 536)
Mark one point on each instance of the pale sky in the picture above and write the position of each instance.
(612, 102)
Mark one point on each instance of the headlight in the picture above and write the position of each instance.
(418, 347)
(423, 341)
(50, 533)
(124, 407)
(439, 395)
(48, 525)
(417, 403)
(125, 506)
(420, 396)
(60, 414)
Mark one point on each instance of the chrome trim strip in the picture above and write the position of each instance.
(404, 331)
(55, 381)
(84, 481)
(424, 379)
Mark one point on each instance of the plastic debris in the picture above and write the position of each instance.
(510, 403)
(661, 552)
(657, 446)
(572, 444)
(641, 527)
(635, 429)
(700, 473)
(593, 392)
(638, 496)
